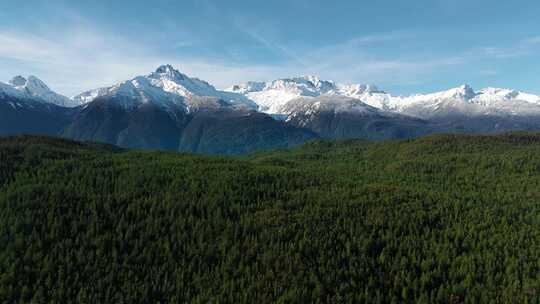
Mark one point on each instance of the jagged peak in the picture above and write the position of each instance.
(166, 68)
(36, 83)
(464, 88)
(31, 87)
(32, 83)
(168, 71)
(506, 93)
(463, 91)
(166, 86)
(18, 81)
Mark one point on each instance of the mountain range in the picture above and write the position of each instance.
(169, 110)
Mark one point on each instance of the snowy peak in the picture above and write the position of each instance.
(172, 81)
(464, 91)
(7, 90)
(33, 85)
(133, 92)
(167, 69)
(33, 88)
(18, 81)
(307, 105)
(165, 87)
(504, 93)
(315, 83)
(273, 95)
(508, 94)
(330, 111)
(464, 101)
(303, 85)
(467, 93)
(169, 72)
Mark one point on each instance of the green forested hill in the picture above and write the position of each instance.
(442, 219)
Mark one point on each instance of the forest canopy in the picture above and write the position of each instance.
(441, 219)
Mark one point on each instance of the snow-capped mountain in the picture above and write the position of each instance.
(33, 88)
(169, 110)
(28, 106)
(465, 101)
(344, 117)
(272, 96)
(308, 105)
(303, 110)
(7, 90)
(166, 87)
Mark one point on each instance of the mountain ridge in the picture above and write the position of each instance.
(171, 87)
(169, 110)
(35, 89)
(165, 85)
(272, 96)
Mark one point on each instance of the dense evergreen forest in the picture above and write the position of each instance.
(441, 219)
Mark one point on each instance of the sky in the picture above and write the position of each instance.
(403, 47)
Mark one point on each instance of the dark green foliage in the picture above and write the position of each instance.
(442, 219)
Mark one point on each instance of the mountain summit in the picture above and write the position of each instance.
(167, 109)
(272, 96)
(33, 88)
(166, 87)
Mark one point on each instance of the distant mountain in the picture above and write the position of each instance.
(271, 96)
(29, 106)
(342, 117)
(460, 109)
(166, 88)
(463, 101)
(227, 131)
(169, 110)
(33, 88)
(19, 115)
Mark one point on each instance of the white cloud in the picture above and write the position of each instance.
(13, 46)
(525, 47)
(78, 59)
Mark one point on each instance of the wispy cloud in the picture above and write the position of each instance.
(355, 60)
(521, 48)
(28, 48)
(77, 59)
(274, 46)
(73, 64)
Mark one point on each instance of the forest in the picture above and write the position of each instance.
(440, 219)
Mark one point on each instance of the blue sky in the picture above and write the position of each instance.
(404, 47)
